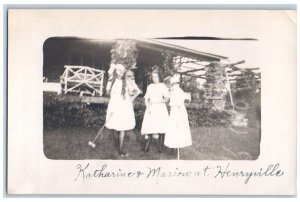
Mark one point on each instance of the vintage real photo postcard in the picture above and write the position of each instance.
(199, 102)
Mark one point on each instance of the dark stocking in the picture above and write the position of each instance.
(116, 138)
(148, 142)
(161, 141)
(121, 140)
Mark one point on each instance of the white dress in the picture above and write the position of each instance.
(156, 114)
(120, 113)
(178, 134)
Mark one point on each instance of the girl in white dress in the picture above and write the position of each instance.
(156, 113)
(178, 134)
(120, 113)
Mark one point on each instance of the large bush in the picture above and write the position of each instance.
(61, 113)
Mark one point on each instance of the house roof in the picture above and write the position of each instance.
(157, 45)
(180, 50)
(160, 46)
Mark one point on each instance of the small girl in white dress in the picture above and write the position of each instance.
(178, 134)
(120, 114)
(156, 113)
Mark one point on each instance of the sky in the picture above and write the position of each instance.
(234, 50)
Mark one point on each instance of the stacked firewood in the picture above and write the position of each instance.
(215, 86)
(167, 64)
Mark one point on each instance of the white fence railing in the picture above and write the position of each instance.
(82, 80)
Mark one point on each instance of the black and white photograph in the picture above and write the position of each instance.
(151, 102)
(149, 99)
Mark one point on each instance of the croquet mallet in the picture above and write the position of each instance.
(92, 143)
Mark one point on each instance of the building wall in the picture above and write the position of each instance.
(59, 52)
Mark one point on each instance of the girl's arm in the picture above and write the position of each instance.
(187, 96)
(146, 97)
(108, 88)
(133, 89)
(136, 93)
(165, 96)
(147, 102)
(165, 99)
(178, 98)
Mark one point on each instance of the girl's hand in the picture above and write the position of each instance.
(188, 97)
(136, 93)
(148, 104)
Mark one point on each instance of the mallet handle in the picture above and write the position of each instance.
(100, 131)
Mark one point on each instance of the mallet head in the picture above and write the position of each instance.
(92, 144)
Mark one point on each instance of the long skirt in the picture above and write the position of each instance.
(120, 115)
(178, 134)
(155, 119)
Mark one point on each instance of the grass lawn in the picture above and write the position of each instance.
(213, 143)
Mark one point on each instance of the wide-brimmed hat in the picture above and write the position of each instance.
(120, 67)
(167, 80)
(172, 79)
(114, 67)
(175, 79)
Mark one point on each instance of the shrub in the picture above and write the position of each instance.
(60, 113)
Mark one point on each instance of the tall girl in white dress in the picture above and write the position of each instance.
(156, 113)
(120, 113)
(178, 134)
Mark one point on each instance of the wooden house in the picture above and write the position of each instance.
(61, 51)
